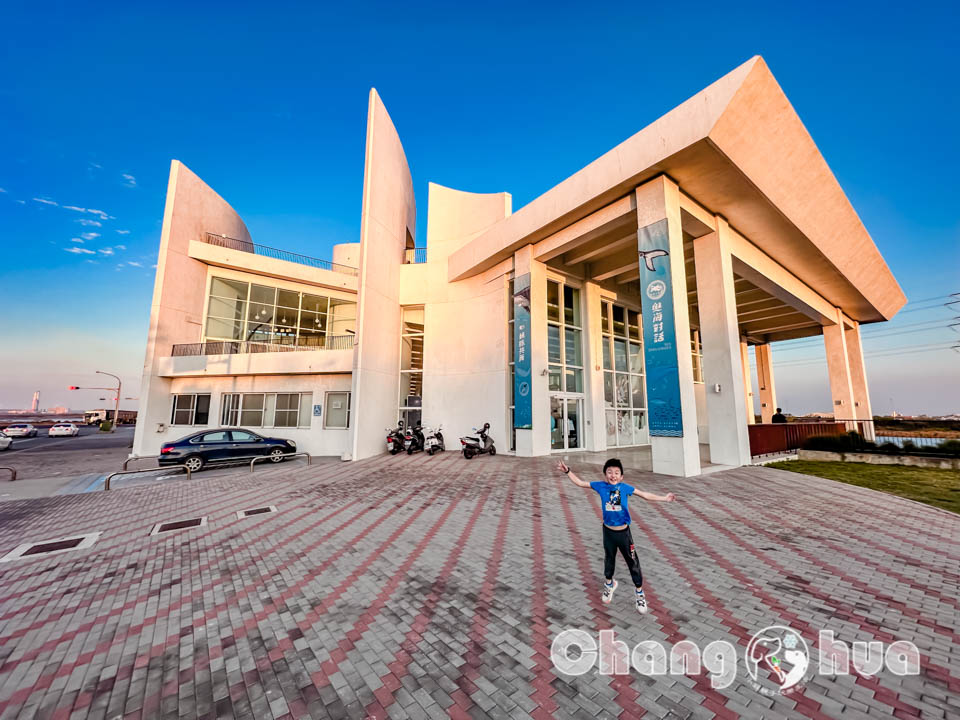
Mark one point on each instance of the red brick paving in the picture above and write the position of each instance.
(433, 587)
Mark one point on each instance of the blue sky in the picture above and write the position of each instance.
(268, 105)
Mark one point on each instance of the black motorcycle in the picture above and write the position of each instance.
(479, 445)
(413, 440)
(395, 439)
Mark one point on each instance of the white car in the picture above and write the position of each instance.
(20, 430)
(64, 430)
(5, 441)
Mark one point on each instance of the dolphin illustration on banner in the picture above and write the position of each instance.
(649, 256)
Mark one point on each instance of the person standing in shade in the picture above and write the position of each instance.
(779, 417)
(614, 494)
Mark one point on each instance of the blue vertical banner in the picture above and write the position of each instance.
(659, 331)
(522, 399)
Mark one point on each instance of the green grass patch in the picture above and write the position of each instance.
(932, 486)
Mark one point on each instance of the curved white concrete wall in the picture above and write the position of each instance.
(465, 354)
(389, 214)
(192, 208)
(347, 254)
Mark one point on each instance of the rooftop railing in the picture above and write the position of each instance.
(415, 255)
(265, 251)
(242, 347)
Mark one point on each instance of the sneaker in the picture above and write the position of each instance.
(608, 592)
(642, 604)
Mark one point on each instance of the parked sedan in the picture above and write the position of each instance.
(20, 430)
(5, 441)
(63, 430)
(223, 445)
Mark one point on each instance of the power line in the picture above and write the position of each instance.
(884, 352)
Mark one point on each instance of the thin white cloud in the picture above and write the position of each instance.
(74, 208)
(154, 267)
(22, 202)
(120, 247)
(123, 232)
(89, 235)
(92, 262)
(130, 180)
(135, 264)
(86, 222)
(79, 251)
(106, 251)
(101, 213)
(98, 167)
(76, 240)
(45, 201)
(2, 190)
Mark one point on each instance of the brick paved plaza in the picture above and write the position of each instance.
(433, 587)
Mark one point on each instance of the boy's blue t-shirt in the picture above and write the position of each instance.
(614, 499)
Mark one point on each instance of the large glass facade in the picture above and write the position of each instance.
(564, 365)
(239, 310)
(624, 393)
(266, 410)
(411, 366)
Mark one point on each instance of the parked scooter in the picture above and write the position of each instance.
(479, 445)
(433, 440)
(395, 439)
(413, 439)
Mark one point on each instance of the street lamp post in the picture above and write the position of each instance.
(116, 407)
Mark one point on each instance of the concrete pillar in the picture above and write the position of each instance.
(768, 392)
(858, 379)
(535, 441)
(838, 366)
(658, 220)
(720, 334)
(747, 381)
(595, 429)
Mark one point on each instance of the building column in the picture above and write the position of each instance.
(535, 440)
(838, 366)
(747, 381)
(858, 379)
(722, 369)
(668, 365)
(768, 392)
(595, 431)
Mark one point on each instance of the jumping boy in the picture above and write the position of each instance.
(614, 494)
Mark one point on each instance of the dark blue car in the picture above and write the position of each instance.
(223, 445)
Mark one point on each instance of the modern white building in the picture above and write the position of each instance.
(616, 310)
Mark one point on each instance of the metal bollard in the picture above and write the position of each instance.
(13, 472)
(106, 483)
(260, 458)
(138, 457)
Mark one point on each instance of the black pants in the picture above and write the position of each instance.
(622, 540)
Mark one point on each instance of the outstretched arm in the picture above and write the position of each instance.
(565, 469)
(669, 497)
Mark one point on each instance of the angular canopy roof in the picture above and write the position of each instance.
(738, 148)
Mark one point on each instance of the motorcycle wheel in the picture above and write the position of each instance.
(492, 451)
(430, 452)
(468, 454)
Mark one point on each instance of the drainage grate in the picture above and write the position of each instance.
(179, 525)
(241, 514)
(51, 547)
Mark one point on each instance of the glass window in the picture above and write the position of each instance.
(241, 436)
(269, 315)
(619, 324)
(571, 306)
(572, 347)
(607, 362)
(306, 415)
(251, 410)
(605, 317)
(215, 437)
(608, 389)
(620, 354)
(337, 411)
(233, 289)
(634, 324)
(553, 344)
(287, 413)
(636, 358)
(230, 409)
(574, 380)
(190, 409)
(553, 378)
(553, 301)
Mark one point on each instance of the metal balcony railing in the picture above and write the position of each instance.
(265, 251)
(415, 255)
(241, 347)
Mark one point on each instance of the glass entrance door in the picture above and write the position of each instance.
(566, 420)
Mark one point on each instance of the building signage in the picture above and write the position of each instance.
(659, 331)
(522, 398)
(317, 409)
